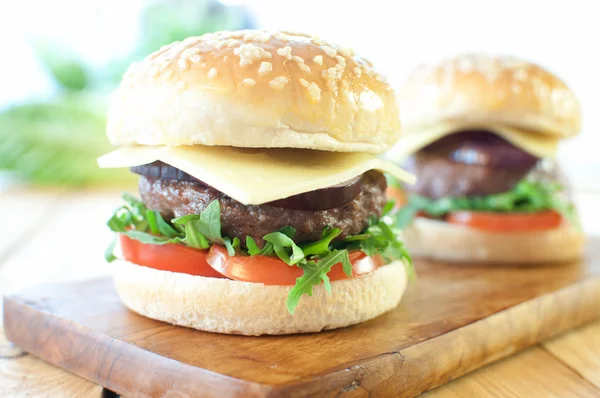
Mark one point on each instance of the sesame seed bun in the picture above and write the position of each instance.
(482, 90)
(233, 307)
(255, 89)
(440, 240)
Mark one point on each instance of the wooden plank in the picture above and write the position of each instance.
(454, 320)
(580, 350)
(533, 374)
(23, 375)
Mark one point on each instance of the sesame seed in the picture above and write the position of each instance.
(283, 37)
(195, 59)
(262, 37)
(187, 53)
(249, 82)
(318, 60)
(249, 36)
(168, 74)
(317, 40)
(232, 42)
(329, 51)
(212, 73)
(347, 52)
(357, 71)
(314, 92)
(520, 74)
(183, 64)
(332, 73)
(220, 44)
(249, 53)
(285, 52)
(304, 68)
(304, 82)
(279, 82)
(180, 85)
(298, 59)
(265, 68)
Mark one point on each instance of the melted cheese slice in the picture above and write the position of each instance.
(256, 176)
(539, 145)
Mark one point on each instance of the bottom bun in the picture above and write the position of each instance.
(440, 240)
(234, 307)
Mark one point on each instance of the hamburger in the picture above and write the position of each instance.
(262, 206)
(481, 134)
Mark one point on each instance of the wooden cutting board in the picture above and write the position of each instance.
(453, 320)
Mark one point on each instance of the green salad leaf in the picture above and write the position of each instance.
(527, 196)
(200, 231)
(315, 272)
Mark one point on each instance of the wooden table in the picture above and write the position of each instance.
(60, 235)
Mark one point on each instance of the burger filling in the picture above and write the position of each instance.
(480, 180)
(183, 225)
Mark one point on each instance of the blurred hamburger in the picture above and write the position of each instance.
(481, 134)
(263, 207)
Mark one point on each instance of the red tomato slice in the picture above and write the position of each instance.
(174, 258)
(506, 222)
(273, 271)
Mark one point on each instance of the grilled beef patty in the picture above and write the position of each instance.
(472, 163)
(175, 198)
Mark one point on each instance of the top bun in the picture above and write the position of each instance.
(481, 90)
(255, 89)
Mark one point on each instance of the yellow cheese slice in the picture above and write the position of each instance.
(256, 176)
(539, 145)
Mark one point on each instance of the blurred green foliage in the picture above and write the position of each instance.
(67, 69)
(57, 142)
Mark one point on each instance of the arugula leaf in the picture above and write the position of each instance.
(147, 238)
(152, 224)
(254, 250)
(164, 228)
(209, 222)
(232, 247)
(116, 223)
(314, 274)
(193, 237)
(389, 206)
(109, 253)
(321, 247)
(281, 242)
